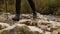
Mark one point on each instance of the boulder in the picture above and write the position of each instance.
(22, 28)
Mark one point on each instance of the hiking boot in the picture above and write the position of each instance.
(16, 18)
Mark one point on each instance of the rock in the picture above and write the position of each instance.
(46, 32)
(35, 29)
(44, 24)
(26, 21)
(12, 29)
(59, 31)
(45, 28)
(24, 29)
(31, 30)
(26, 16)
(54, 32)
(4, 25)
(55, 24)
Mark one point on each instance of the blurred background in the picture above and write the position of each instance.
(45, 7)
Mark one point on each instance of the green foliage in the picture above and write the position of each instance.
(42, 6)
(18, 33)
(25, 8)
(50, 6)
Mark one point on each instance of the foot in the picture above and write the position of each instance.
(16, 18)
(34, 16)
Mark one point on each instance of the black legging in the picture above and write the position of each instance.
(18, 6)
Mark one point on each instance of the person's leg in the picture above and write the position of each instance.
(18, 6)
(33, 8)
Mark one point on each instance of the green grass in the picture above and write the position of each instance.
(18, 33)
(42, 6)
